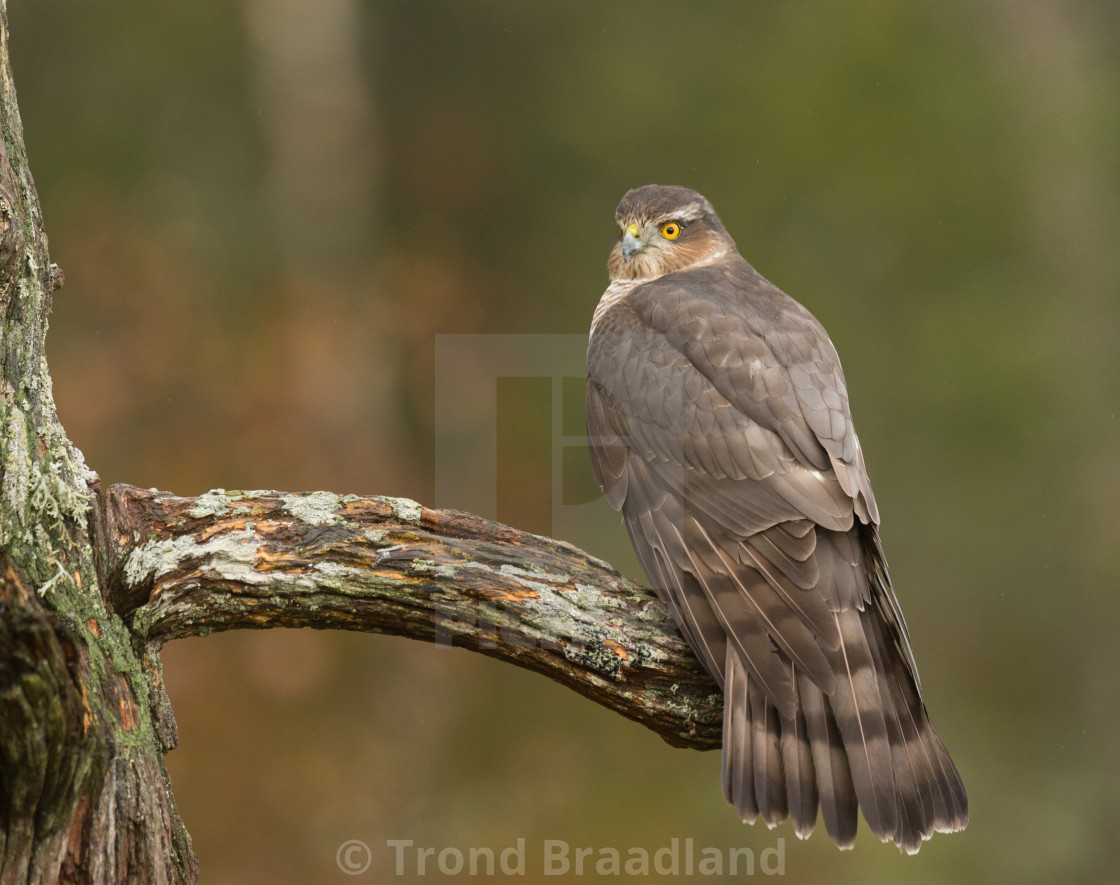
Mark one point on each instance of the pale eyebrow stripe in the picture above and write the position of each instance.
(691, 212)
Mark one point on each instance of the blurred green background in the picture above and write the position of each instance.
(268, 213)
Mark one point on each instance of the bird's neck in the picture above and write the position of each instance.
(616, 291)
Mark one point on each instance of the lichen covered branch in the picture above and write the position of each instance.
(189, 566)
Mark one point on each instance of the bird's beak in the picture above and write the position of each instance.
(631, 242)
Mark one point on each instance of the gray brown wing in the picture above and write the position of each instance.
(711, 487)
(722, 432)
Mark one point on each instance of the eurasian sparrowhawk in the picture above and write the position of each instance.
(719, 425)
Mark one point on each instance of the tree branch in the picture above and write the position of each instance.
(189, 566)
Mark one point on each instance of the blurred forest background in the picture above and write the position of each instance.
(270, 214)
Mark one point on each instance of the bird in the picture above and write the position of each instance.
(718, 423)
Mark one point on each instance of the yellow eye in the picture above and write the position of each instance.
(620, 230)
(670, 230)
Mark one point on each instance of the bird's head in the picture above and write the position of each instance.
(665, 229)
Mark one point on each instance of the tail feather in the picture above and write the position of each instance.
(858, 708)
(777, 768)
(738, 753)
(769, 773)
(921, 761)
(867, 744)
(834, 777)
(910, 769)
(801, 781)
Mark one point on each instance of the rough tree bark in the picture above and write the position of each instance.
(93, 582)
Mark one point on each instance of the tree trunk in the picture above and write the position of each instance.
(84, 794)
(93, 583)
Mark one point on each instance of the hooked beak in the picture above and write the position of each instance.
(631, 242)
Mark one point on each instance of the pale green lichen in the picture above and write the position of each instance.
(17, 457)
(589, 597)
(317, 508)
(427, 567)
(54, 498)
(337, 571)
(28, 286)
(213, 503)
(230, 556)
(533, 578)
(61, 575)
(52, 503)
(404, 509)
